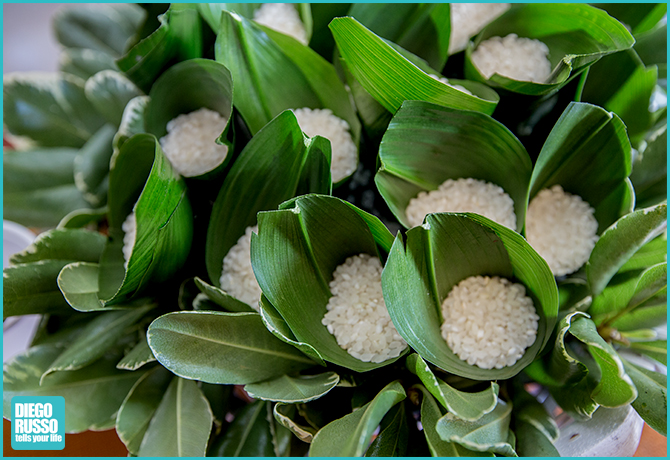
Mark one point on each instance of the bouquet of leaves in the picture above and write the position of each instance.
(193, 305)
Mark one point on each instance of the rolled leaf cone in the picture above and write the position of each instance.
(426, 144)
(142, 180)
(577, 36)
(423, 268)
(294, 255)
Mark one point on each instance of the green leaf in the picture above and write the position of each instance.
(652, 400)
(51, 109)
(143, 181)
(615, 387)
(268, 171)
(31, 170)
(256, 55)
(84, 63)
(431, 412)
(110, 91)
(229, 348)
(422, 270)
(638, 18)
(576, 35)
(43, 207)
(139, 407)
(178, 38)
(652, 253)
(350, 435)
(140, 355)
(391, 79)
(393, 436)
(294, 255)
(532, 442)
(107, 28)
(290, 390)
(132, 121)
(62, 244)
(619, 242)
(439, 140)
(466, 406)
(181, 424)
(91, 167)
(78, 282)
(649, 174)
(284, 414)
(656, 349)
(529, 410)
(488, 434)
(31, 288)
(221, 298)
(644, 317)
(249, 435)
(96, 338)
(92, 394)
(588, 153)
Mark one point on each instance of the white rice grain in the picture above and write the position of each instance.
(468, 19)
(464, 195)
(357, 315)
(322, 122)
(190, 143)
(129, 228)
(518, 58)
(489, 321)
(237, 277)
(282, 17)
(562, 228)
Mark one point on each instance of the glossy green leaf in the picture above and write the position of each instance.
(619, 242)
(107, 28)
(63, 244)
(422, 270)
(649, 174)
(178, 38)
(96, 338)
(531, 442)
(143, 181)
(91, 166)
(656, 349)
(652, 47)
(51, 109)
(615, 387)
(271, 169)
(466, 406)
(652, 253)
(393, 435)
(576, 35)
(92, 395)
(139, 407)
(84, 63)
(284, 414)
(80, 218)
(221, 298)
(350, 435)
(31, 288)
(291, 390)
(645, 317)
(110, 91)
(294, 255)
(132, 121)
(448, 144)
(249, 435)
(391, 79)
(78, 282)
(588, 154)
(140, 355)
(181, 424)
(229, 348)
(431, 412)
(488, 434)
(256, 55)
(652, 400)
(638, 18)
(530, 411)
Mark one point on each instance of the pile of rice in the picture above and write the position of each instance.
(357, 314)
(489, 321)
(129, 228)
(464, 195)
(468, 19)
(518, 58)
(562, 228)
(238, 278)
(282, 17)
(446, 82)
(190, 143)
(322, 122)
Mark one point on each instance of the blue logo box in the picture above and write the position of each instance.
(38, 422)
